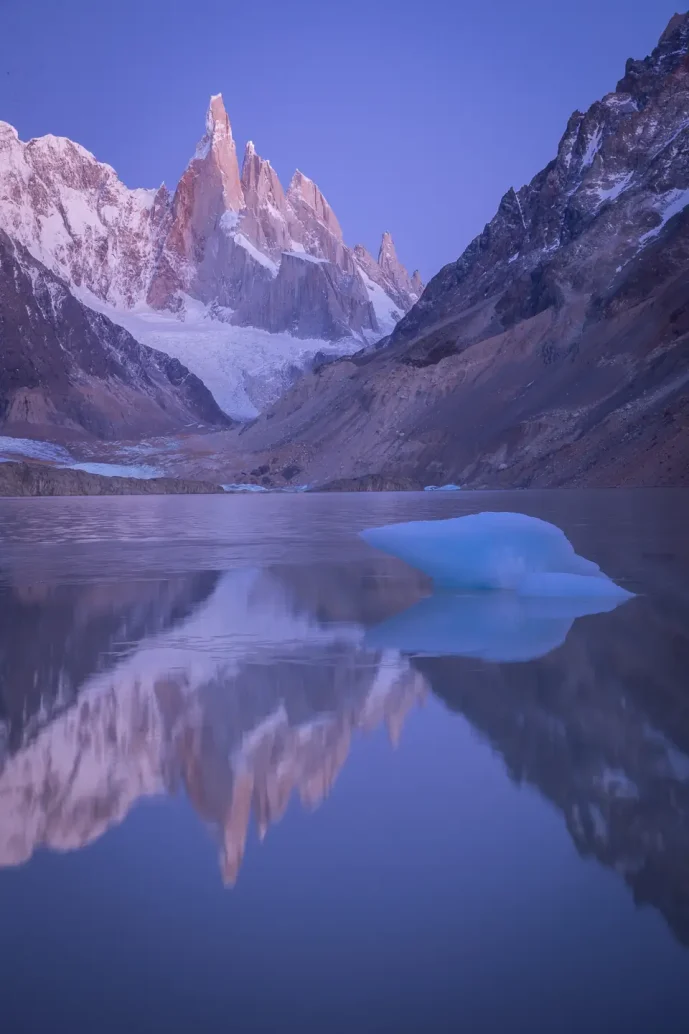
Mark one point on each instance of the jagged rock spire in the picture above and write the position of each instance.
(303, 191)
(259, 180)
(417, 283)
(264, 221)
(392, 268)
(642, 79)
(218, 147)
(207, 196)
(387, 256)
(674, 23)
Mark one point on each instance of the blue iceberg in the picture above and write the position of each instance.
(490, 626)
(496, 551)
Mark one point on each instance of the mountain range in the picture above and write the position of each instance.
(559, 332)
(228, 262)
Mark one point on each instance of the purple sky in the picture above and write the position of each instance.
(412, 117)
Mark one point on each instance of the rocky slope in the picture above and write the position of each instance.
(64, 365)
(227, 249)
(561, 331)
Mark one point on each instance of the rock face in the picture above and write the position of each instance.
(394, 272)
(199, 255)
(562, 329)
(64, 365)
(222, 239)
(266, 215)
(34, 479)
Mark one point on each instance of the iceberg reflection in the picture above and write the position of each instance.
(490, 626)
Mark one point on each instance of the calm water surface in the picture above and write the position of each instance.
(254, 777)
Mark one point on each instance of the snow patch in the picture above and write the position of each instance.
(229, 220)
(592, 149)
(521, 210)
(622, 101)
(617, 188)
(245, 243)
(304, 257)
(672, 203)
(387, 312)
(203, 148)
(119, 470)
(49, 452)
(35, 450)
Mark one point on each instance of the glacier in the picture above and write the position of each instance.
(496, 551)
(245, 369)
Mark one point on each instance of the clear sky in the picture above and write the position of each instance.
(411, 116)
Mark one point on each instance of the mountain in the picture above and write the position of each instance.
(64, 365)
(227, 266)
(553, 351)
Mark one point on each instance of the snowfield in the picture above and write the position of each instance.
(387, 312)
(29, 448)
(48, 452)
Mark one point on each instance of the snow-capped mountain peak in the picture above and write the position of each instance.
(233, 244)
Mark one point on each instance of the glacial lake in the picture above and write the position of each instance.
(238, 794)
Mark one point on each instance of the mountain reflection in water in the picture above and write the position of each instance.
(246, 687)
(225, 685)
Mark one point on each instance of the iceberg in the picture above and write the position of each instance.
(499, 627)
(496, 551)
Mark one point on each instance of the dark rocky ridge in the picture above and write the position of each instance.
(33, 479)
(370, 483)
(554, 350)
(65, 365)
